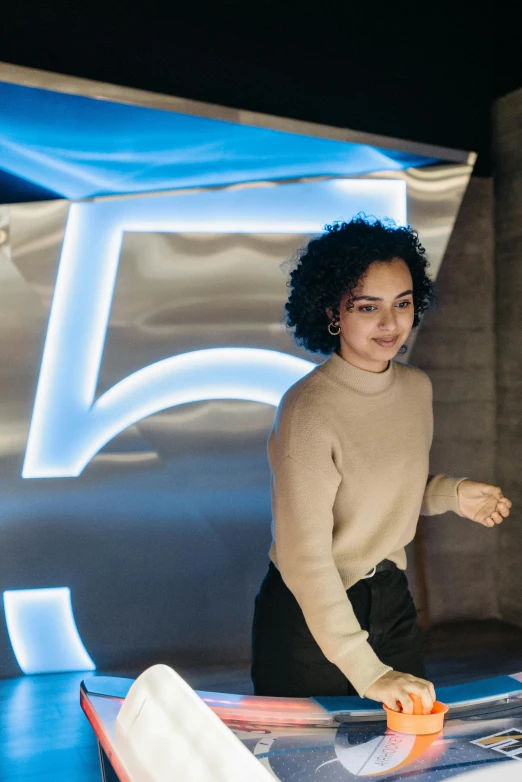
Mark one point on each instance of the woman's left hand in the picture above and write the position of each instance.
(482, 502)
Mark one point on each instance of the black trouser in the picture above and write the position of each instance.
(286, 660)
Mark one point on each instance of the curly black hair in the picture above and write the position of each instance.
(334, 263)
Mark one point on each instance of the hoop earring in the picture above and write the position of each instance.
(334, 333)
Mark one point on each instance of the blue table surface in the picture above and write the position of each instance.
(482, 690)
(457, 695)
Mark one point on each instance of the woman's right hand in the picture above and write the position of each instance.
(393, 690)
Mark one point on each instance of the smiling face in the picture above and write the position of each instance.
(382, 310)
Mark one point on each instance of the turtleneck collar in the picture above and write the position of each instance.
(362, 381)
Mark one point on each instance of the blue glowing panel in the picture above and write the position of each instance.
(99, 147)
(68, 426)
(43, 632)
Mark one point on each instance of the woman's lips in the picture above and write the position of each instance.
(386, 343)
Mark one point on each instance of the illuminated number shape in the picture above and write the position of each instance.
(68, 425)
(43, 632)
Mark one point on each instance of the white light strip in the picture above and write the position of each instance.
(43, 632)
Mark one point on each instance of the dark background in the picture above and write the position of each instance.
(424, 72)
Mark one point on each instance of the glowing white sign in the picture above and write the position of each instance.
(43, 632)
(68, 425)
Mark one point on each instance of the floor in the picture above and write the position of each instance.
(44, 736)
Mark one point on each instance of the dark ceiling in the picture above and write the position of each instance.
(425, 72)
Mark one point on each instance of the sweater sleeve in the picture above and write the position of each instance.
(440, 495)
(303, 498)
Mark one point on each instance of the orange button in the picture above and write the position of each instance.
(417, 723)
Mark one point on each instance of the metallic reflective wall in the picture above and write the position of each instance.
(163, 538)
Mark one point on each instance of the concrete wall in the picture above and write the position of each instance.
(472, 349)
(507, 134)
(456, 347)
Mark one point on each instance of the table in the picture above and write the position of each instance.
(342, 739)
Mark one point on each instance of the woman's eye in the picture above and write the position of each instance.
(368, 307)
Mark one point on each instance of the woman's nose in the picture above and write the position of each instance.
(388, 320)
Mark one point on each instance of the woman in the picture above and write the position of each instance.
(349, 456)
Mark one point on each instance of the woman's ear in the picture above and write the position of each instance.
(329, 312)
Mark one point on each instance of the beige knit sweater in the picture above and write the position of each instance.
(349, 455)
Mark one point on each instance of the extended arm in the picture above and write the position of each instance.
(303, 499)
(440, 495)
